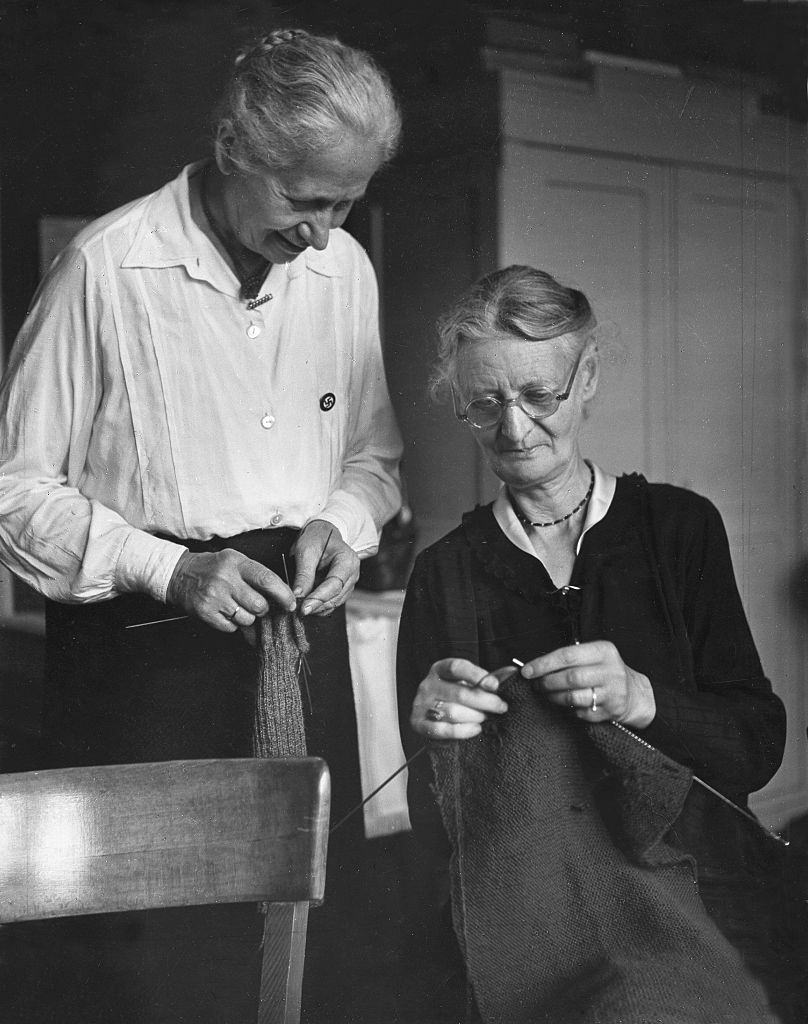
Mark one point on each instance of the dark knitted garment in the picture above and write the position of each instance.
(655, 578)
(556, 923)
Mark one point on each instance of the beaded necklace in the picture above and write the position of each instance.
(523, 519)
(250, 281)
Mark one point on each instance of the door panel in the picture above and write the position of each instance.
(734, 429)
(598, 223)
(694, 270)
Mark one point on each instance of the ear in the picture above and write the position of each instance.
(590, 372)
(222, 147)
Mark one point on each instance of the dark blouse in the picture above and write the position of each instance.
(656, 579)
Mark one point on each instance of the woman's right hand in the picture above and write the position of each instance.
(454, 700)
(226, 589)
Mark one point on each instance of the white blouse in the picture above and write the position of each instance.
(143, 397)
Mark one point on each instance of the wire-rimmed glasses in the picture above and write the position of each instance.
(536, 401)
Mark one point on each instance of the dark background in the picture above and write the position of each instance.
(104, 100)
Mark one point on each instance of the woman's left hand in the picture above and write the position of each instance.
(593, 681)
(320, 550)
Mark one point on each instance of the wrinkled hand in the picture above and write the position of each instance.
(593, 681)
(320, 549)
(454, 700)
(226, 589)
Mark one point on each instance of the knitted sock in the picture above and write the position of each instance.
(278, 727)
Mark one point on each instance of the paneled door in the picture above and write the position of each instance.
(599, 224)
(692, 276)
(734, 413)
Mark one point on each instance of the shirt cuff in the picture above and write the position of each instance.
(353, 521)
(146, 564)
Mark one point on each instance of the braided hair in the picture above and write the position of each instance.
(292, 93)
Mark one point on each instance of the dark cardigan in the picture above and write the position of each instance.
(656, 579)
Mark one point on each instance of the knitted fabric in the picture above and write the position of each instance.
(558, 922)
(278, 725)
(661, 588)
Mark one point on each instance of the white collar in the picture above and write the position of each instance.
(168, 236)
(599, 503)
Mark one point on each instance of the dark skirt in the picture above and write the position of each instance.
(174, 690)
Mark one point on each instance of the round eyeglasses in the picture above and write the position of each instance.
(536, 401)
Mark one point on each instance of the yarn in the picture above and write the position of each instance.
(569, 905)
(278, 724)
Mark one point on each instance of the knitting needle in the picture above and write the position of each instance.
(378, 789)
(701, 782)
(180, 618)
(389, 779)
(157, 622)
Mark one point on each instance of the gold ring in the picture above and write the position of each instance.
(594, 705)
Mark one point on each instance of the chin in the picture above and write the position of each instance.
(526, 471)
(278, 250)
(274, 256)
(518, 476)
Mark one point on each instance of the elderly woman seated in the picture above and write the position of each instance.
(560, 790)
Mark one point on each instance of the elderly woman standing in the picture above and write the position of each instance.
(554, 788)
(197, 436)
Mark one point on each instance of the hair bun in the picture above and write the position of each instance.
(266, 44)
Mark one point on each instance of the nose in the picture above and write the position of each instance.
(515, 423)
(315, 229)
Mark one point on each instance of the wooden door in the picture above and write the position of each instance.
(733, 412)
(598, 224)
(692, 274)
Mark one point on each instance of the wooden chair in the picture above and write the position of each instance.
(176, 833)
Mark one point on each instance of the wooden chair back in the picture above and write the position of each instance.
(174, 833)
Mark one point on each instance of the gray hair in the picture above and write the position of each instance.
(291, 94)
(517, 301)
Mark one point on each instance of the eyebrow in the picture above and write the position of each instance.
(495, 392)
(324, 200)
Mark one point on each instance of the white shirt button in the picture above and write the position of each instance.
(267, 421)
(253, 331)
(276, 519)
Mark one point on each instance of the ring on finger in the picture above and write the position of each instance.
(594, 705)
(436, 712)
(232, 616)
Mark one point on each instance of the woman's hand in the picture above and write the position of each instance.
(320, 548)
(593, 681)
(226, 589)
(455, 699)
